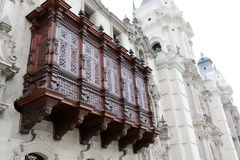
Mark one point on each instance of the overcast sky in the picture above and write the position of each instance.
(216, 24)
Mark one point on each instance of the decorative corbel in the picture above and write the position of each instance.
(132, 137)
(109, 136)
(30, 118)
(93, 128)
(67, 121)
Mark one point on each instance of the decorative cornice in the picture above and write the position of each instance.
(174, 62)
(7, 59)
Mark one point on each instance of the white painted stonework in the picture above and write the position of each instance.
(192, 103)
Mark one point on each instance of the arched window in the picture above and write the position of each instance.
(157, 47)
(33, 156)
(141, 55)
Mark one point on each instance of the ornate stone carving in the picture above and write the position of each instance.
(8, 58)
(41, 142)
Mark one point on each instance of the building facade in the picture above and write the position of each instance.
(50, 107)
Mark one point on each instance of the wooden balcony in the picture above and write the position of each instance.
(78, 78)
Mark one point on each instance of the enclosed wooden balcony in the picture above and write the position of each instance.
(77, 77)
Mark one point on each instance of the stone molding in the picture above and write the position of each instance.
(174, 62)
(42, 144)
(7, 58)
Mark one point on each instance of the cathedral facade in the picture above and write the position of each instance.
(78, 83)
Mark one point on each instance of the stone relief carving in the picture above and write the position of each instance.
(42, 143)
(7, 58)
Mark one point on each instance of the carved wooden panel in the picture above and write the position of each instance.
(92, 98)
(70, 90)
(131, 114)
(67, 49)
(111, 75)
(144, 119)
(141, 92)
(114, 107)
(42, 50)
(91, 64)
(44, 34)
(128, 86)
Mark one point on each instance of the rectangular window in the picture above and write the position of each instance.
(116, 33)
(89, 12)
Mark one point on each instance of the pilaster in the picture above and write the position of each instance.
(176, 108)
(7, 59)
(229, 151)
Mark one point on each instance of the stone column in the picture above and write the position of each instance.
(183, 145)
(206, 147)
(216, 108)
(7, 71)
(227, 108)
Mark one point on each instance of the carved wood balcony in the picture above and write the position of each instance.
(78, 78)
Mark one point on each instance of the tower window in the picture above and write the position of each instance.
(33, 156)
(157, 47)
(88, 12)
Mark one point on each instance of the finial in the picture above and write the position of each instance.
(101, 29)
(131, 53)
(81, 13)
(117, 41)
(126, 20)
(142, 61)
(134, 7)
(178, 50)
(162, 121)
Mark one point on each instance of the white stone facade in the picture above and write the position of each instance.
(193, 111)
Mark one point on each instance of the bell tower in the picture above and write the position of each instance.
(170, 38)
(162, 23)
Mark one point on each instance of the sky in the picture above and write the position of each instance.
(216, 26)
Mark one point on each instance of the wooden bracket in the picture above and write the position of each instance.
(114, 134)
(63, 124)
(93, 128)
(131, 138)
(30, 117)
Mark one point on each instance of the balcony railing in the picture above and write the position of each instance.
(78, 78)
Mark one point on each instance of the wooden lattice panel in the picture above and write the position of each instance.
(111, 75)
(91, 64)
(67, 51)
